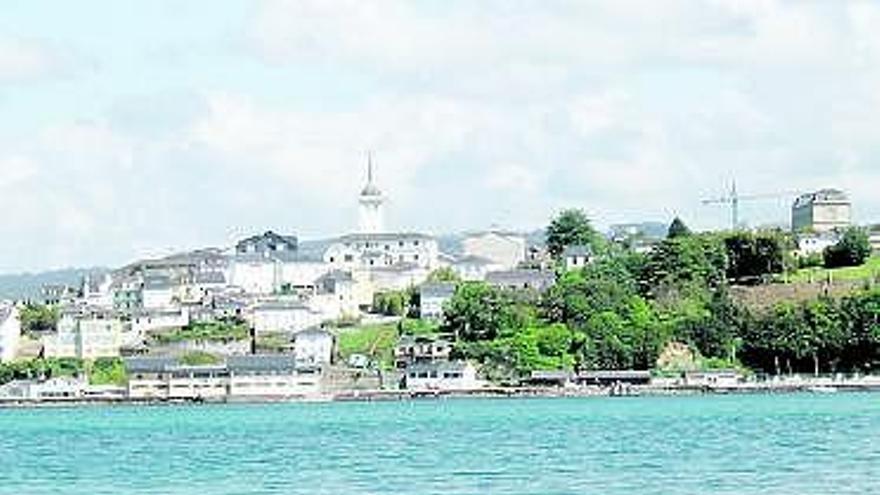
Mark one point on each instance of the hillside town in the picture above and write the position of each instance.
(263, 319)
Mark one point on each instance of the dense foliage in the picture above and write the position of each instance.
(229, 330)
(853, 249)
(572, 228)
(622, 310)
(37, 318)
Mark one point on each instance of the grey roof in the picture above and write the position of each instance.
(439, 366)
(211, 277)
(261, 362)
(149, 364)
(521, 277)
(336, 276)
(157, 282)
(474, 260)
(577, 251)
(821, 196)
(280, 305)
(385, 237)
(440, 289)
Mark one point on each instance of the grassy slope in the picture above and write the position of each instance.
(376, 341)
(869, 270)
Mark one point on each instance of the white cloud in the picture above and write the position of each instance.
(23, 61)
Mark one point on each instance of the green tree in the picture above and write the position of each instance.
(572, 228)
(677, 229)
(853, 249)
(444, 274)
(752, 255)
(479, 311)
(37, 318)
(686, 266)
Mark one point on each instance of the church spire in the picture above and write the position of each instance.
(370, 189)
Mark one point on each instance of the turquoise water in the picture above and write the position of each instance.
(792, 444)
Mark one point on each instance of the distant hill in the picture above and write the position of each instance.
(27, 285)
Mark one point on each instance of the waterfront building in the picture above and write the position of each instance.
(713, 378)
(432, 297)
(607, 378)
(52, 389)
(522, 279)
(412, 349)
(314, 347)
(821, 211)
(10, 332)
(440, 376)
(506, 250)
(251, 376)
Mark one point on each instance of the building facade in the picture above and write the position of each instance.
(821, 211)
(504, 249)
(10, 332)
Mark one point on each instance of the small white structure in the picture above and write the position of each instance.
(713, 378)
(53, 389)
(576, 257)
(815, 243)
(441, 375)
(432, 297)
(10, 332)
(507, 250)
(97, 290)
(314, 347)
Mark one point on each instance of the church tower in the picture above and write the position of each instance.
(371, 201)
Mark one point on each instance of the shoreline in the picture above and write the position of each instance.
(481, 393)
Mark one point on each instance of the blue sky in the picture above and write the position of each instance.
(132, 128)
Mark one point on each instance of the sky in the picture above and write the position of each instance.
(132, 129)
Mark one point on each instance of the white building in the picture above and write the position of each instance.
(265, 376)
(52, 389)
(576, 257)
(148, 321)
(504, 249)
(441, 375)
(370, 251)
(314, 347)
(97, 290)
(432, 297)
(158, 292)
(10, 332)
(474, 268)
(88, 336)
(815, 243)
(284, 315)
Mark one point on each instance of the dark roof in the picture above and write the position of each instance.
(520, 277)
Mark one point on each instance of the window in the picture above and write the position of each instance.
(349, 258)
(415, 243)
(416, 257)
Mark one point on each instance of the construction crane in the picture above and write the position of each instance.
(734, 199)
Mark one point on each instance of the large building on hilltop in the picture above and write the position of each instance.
(821, 211)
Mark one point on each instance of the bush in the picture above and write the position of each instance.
(853, 249)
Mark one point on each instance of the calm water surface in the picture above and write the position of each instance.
(794, 444)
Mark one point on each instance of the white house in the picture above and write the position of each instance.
(576, 257)
(97, 290)
(505, 249)
(88, 336)
(815, 243)
(474, 268)
(10, 332)
(523, 279)
(158, 291)
(432, 297)
(150, 320)
(314, 347)
(255, 274)
(282, 315)
(441, 375)
(383, 250)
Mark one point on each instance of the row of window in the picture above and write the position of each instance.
(371, 245)
(435, 374)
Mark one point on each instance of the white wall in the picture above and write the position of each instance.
(10, 335)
